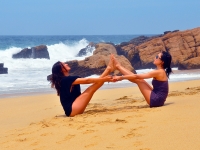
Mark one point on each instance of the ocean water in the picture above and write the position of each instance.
(30, 75)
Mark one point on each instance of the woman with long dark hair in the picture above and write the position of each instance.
(68, 87)
(156, 95)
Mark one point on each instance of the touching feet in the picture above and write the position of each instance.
(116, 64)
(111, 65)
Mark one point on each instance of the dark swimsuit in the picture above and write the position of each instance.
(159, 93)
(69, 93)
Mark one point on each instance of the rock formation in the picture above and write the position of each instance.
(184, 46)
(96, 63)
(2, 69)
(35, 52)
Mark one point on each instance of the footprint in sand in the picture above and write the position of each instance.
(175, 93)
(88, 131)
(132, 133)
(120, 128)
(121, 121)
(21, 140)
(70, 136)
(123, 98)
(45, 134)
(32, 123)
(45, 124)
(90, 145)
(188, 91)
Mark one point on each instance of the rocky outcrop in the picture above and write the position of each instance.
(35, 52)
(193, 63)
(170, 31)
(139, 53)
(2, 69)
(96, 63)
(184, 46)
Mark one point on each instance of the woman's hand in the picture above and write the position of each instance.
(107, 78)
(117, 78)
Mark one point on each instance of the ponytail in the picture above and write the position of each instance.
(168, 71)
(167, 58)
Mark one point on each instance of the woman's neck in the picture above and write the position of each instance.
(159, 67)
(66, 73)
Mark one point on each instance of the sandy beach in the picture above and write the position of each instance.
(115, 119)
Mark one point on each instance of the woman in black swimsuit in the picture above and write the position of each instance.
(68, 87)
(157, 95)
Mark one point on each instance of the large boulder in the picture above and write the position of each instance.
(193, 63)
(97, 63)
(2, 69)
(182, 45)
(34, 52)
(140, 53)
(25, 53)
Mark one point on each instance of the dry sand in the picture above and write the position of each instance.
(115, 119)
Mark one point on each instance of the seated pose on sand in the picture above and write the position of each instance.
(157, 95)
(68, 87)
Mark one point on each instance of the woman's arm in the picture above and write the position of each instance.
(92, 80)
(152, 74)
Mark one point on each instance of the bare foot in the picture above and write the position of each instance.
(110, 64)
(115, 62)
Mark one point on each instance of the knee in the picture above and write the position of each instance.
(134, 81)
(73, 114)
(77, 110)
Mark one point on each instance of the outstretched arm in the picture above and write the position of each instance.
(152, 74)
(92, 80)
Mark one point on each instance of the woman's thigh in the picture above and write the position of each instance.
(145, 89)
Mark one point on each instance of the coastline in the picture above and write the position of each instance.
(114, 119)
(83, 87)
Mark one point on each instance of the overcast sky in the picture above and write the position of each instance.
(97, 17)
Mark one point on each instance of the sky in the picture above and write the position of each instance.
(97, 17)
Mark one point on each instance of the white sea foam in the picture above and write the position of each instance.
(57, 52)
(29, 74)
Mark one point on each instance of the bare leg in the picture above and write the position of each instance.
(82, 101)
(144, 87)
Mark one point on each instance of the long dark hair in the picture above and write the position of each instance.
(167, 58)
(56, 77)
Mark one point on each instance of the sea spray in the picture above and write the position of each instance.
(29, 75)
